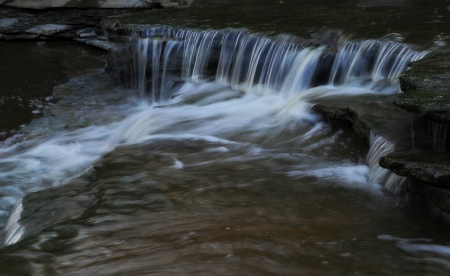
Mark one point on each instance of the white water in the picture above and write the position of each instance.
(258, 126)
(433, 253)
(257, 64)
(271, 118)
(380, 147)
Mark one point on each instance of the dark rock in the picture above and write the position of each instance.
(432, 168)
(430, 73)
(427, 88)
(369, 113)
(432, 105)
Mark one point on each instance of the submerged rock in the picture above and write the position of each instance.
(432, 168)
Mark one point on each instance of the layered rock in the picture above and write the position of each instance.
(427, 88)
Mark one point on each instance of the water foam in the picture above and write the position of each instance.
(261, 65)
(238, 88)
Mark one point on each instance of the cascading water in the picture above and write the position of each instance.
(215, 165)
(260, 65)
(380, 147)
(263, 66)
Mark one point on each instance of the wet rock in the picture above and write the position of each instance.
(8, 22)
(369, 113)
(430, 73)
(427, 88)
(432, 105)
(167, 4)
(432, 168)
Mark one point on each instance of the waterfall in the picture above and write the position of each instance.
(257, 64)
(167, 57)
(142, 46)
(380, 147)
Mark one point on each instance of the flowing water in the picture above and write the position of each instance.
(211, 162)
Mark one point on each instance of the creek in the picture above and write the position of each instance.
(207, 160)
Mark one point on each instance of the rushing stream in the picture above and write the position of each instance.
(211, 162)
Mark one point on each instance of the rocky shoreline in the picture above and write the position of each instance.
(415, 121)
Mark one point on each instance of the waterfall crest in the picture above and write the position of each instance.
(165, 57)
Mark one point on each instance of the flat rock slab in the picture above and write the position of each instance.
(429, 73)
(427, 88)
(429, 167)
(49, 29)
(432, 105)
(370, 113)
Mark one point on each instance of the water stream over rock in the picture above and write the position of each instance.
(210, 160)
